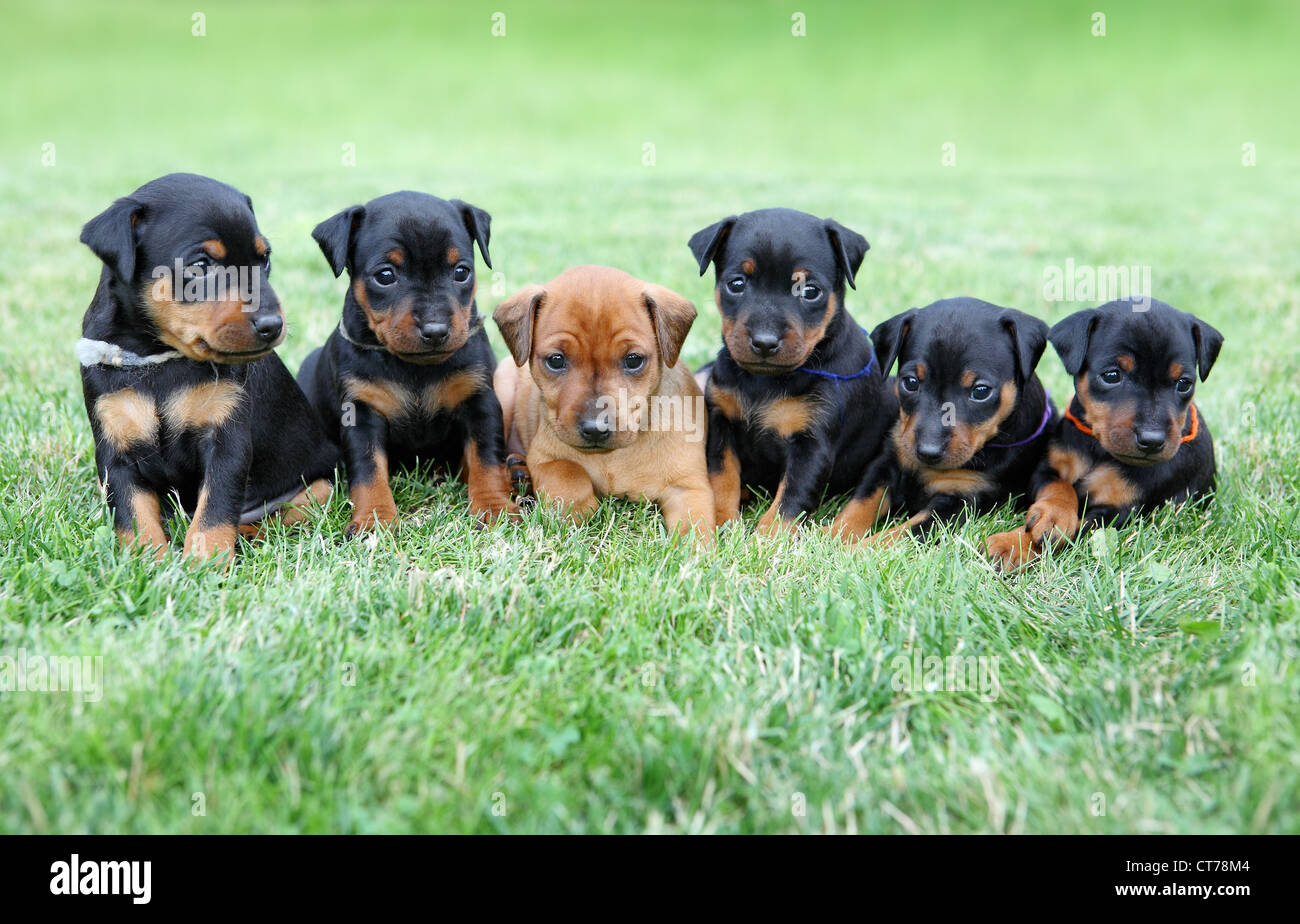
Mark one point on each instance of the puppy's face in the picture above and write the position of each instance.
(411, 260)
(1135, 369)
(597, 341)
(962, 364)
(780, 278)
(188, 260)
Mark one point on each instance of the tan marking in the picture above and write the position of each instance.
(1111, 423)
(316, 494)
(452, 391)
(960, 482)
(967, 379)
(726, 401)
(148, 533)
(774, 522)
(1175, 371)
(788, 416)
(1125, 362)
(1068, 465)
(920, 372)
(1106, 486)
(395, 257)
(201, 406)
(489, 487)
(215, 331)
(726, 489)
(127, 418)
(968, 439)
(453, 256)
(388, 399)
(1054, 514)
(261, 246)
(747, 267)
(884, 540)
(859, 516)
(372, 501)
(214, 249)
(204, 539)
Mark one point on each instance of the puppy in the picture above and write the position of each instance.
(184, 394)
(973, 417)
(408, 373)
(1132, 438)
(596, 397)
(797, 401)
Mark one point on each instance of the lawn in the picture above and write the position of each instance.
(546, 678)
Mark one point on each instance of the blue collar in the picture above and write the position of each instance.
(835, 377)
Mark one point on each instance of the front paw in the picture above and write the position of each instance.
(521, 481)
(1049, 521)
(773, 524)
(495, 509)
(1011, 549)
(371, 518)
(725, 514)
(204, 544)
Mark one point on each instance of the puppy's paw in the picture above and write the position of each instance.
(1049, 522)
(203, 544)
(521, 482)
(723, 515)
(1011, 549)
(495, 509)
(370, 519)
(772, 524)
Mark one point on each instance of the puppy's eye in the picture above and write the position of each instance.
(1184, 386)
(811, 292)
(384, 276)
(736, 285)
(556, 362)
(199, 266)
(633, 362)
(462, 273)
(980, 392)
(1111, 376)
(909, 383)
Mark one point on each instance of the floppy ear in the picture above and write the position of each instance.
(672, 317)
(1208, 343)
(707, 243)
(479, 225)
(1071, 336)
(334, 235)
(516, 317)
(849, 246)
(111, 235)
(888, 338)
(1028, 340)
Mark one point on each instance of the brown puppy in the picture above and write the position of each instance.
(597, 399)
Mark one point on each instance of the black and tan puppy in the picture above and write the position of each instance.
(183, 391)
(973, 422)
(797, 402)
(407, 375)
(1132, 438)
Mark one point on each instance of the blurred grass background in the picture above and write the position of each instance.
(516, 660)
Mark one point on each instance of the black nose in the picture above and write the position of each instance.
(434, 332)
(268, 326)
(764, 343)
(593, 429)
(929, 453)
(1150, 440)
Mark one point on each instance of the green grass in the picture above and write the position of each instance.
(542, 677)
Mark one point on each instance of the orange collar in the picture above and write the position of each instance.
(1084, 428)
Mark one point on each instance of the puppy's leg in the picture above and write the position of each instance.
(808, 462)
(724, 467)
(689, 508)
(859, 516)
(567, 485)
(484, 463)
(1053, 517)
(364, 448)
(884, 540)
(227, 458)
(137, 512)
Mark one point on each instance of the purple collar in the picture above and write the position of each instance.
(1042, 425)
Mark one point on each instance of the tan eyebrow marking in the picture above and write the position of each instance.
(214, 249)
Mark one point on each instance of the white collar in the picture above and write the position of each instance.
(103, 353)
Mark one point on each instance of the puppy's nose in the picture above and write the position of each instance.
(268, 326)
(1150, 440)
(764, 343)
(594, 429)
(929, 453)
(433, 333)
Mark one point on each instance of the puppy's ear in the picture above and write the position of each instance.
(1071, 336)
(479, 225)
(888, 338)
(516, 316)
(1208, 343)
(850, 248)
(672, 317)
(1028, 340)
(707, 243)
(111, 235)
(335, 234)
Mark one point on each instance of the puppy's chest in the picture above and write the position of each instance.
(761, 420)
(416, 410)
(137, 421)
(1104, 484)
